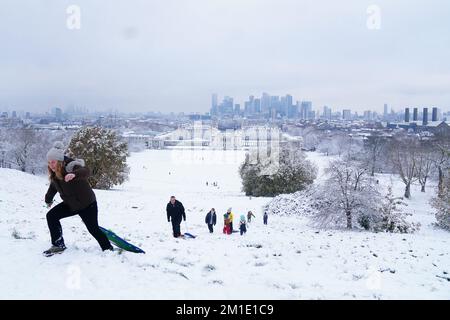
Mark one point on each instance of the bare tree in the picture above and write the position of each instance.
(374, 145)
(310, 137)
(336, 143)
(425, 165)
(441, 160)
(442, 204)
(24, 148)
(403, 154)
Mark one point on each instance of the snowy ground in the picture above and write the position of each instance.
(287, 259)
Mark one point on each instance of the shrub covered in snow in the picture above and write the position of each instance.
(298, 203)
(391, 217)
(104, 153)
(269, 177)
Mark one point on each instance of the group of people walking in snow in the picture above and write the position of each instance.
(69, 178)
(228, 217)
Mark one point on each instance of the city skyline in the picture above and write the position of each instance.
(170, 57)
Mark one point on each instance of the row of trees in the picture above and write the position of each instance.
(412, 158)
(103, 150)
(25, 149)
(351, 196)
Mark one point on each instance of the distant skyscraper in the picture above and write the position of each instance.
(227, 106)
(257, 105)
(214, 104)
(406, 114)
(288, 105)
(326, 113)
(237, 109)
(368, 115)
(265, 104)
(434, 114)
(425, 116)
(347, 114)
(385, 113)
(415, 114)
(306, 110)
(58, 114)
(293, 111)
(275, 105)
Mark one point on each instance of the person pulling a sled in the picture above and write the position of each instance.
(175, 212)
(68, 177)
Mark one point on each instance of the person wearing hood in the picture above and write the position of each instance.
(242, 225)
(265, 217)
(68, 177)
(230, 217)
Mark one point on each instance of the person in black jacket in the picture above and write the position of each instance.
(211, 219)
(68, 177)
(175, 212)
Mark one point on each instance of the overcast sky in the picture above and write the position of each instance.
(171, 55)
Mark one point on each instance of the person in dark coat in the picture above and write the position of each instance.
(265, 217)
(68, 177)
(249, 216)
(175, 212)
(242, 225)
(211, 219)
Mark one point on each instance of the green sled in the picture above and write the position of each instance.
(121, 243)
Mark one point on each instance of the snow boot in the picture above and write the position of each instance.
(54, 250)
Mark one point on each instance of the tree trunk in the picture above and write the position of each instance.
(408, 191)
(441, 181)
(423, 188)
(349, 219)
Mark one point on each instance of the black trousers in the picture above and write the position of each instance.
(89, 217)
(243, 229)
(210, 227)
(176, 228)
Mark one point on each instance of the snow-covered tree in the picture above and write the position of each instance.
(25, 149)
(442, 201)
(425, 165)
(442, 205)
(104, 153)
(311, 137)
(441, 159)
(373, 148)
(391, 216)
(403, 152)
(267, 176)
(349, 195)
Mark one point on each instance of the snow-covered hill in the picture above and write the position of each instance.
(287, 259)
